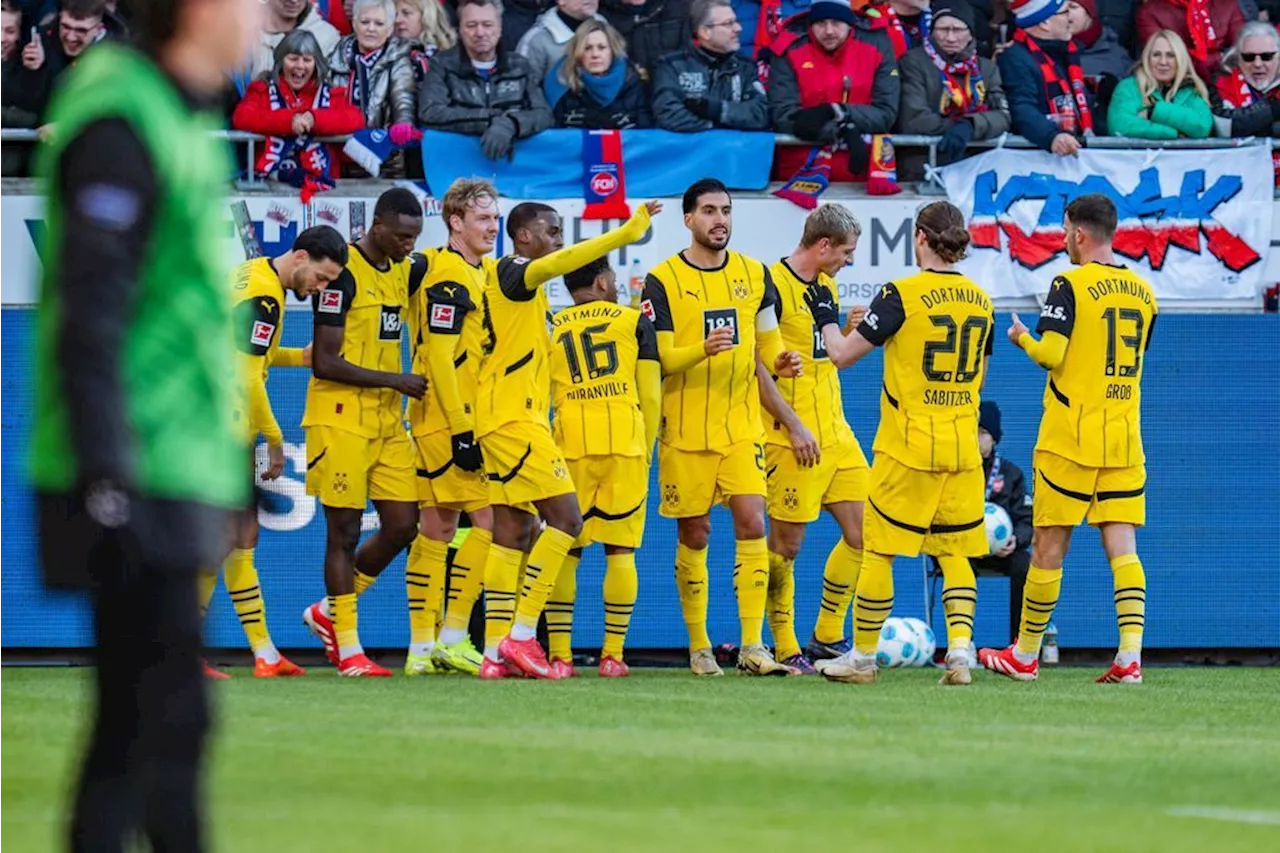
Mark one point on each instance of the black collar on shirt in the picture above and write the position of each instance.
(797, 275)
(692, 265)
(449, 248)
(387, 268)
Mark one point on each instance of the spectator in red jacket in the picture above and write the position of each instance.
(1208, 27)
(905, 22)
(293, 105)
(830, 87)
(1246, 98)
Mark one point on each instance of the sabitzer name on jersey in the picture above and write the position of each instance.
(965, 295)
(947, 398)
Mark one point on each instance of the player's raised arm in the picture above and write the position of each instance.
(1056, 321)
(769, 345)
(649, 381)
(329, 309)
(803, 444)
(570, 258)
(674, 358)
(884, 317)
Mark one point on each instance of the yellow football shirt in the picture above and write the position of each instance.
(515, 380)
(259, 323)
(937, 330)
(1092, 400)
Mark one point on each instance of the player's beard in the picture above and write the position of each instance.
(713, 244)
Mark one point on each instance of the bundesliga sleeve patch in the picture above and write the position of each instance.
(330, 302)
(261, 334)
(442, 316)
(646, 308)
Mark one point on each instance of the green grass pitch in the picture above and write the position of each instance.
(664, 762)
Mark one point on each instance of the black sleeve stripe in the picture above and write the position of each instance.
(511, 272)
(654, 304)
(329, 307)
(451, 293)
(646, 339)
(1059, 311)
(257, 322)
(417, 272)
(770, 296)
(885, 316)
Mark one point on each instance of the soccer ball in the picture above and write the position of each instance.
(926, 643)
(999, 527)
(901, 643)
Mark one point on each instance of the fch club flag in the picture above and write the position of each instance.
(604, 179)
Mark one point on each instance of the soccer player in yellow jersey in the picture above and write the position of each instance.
(446, 325)
(258, 288)
(526, 470)
(926, 491)
(714, 311)
(357, 447)
(1095, 326)
(608, 398)
(836, 480)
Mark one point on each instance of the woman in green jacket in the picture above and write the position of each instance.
(1164, 99)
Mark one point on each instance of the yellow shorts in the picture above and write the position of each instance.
(346, 470)
(612, 491)
(937, 512)
(693, 480)
(798, 494)
(524, 465)
(440, 482)
(1067, 493)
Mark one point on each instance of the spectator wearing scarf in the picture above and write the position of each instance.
(1164, 99)
(594, 86)
(1208, 27)
(1101, 54)
(1043, 80)
(292, 106)
(905, 22)
(1246, 97)
(377, 71)
(948, 90)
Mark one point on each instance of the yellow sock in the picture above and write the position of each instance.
(206, 583)
(839, 580)
(691, 583)
(751, 584)
(501, 570)
(467, 580)
(363, 581)
(1039, 597)
(241, 578)
(780, 606)
(1131, 600)
(560, 611)
(873, 601)
(620, 587)
(959, 600)
(424, 585)
(343, 608)
(545, 560)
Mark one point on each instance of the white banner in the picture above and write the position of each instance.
(1197, 224)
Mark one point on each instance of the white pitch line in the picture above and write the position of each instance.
(1228, 815)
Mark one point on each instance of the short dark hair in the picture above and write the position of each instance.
(522, 214)
(699, 188)
(585, 275)
(81, 9)
(1094, 212)
(397, 201)
(497, 4)
(323, 243)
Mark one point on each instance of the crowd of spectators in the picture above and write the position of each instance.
(829, 72)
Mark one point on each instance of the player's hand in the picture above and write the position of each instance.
(788, 365)
(411, 385)
(1065, 145)
(33, 53)
(720, 340)
(306, 356)
(1016, 330)
(654, 207)
(822, 305)
(1007, 548)
(275, 462)
(857, 314)
(804, 445)
(466, 451)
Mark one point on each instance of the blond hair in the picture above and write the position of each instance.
(1184, 73)
(466, 194)
(436, 31)
(571, 70)
(833, 221)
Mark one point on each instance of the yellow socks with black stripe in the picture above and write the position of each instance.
(959, 600)
(343, 608)
(691, 584)
(363, 581)
(780, 606)
(872, 602)
(620, 587)
(424, 586)
(560, 611)
(751, 584)
(545, 561)
(206, 583)
(241, 578)
(1039, 598)
(839, 580)
(1131, 606)
(466, 584)
(501, 575)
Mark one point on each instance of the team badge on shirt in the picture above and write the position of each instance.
(740, 290)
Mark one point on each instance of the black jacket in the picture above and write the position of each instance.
(1009, 490)
(728, 83)
(652, 29)
(627, 111)
(455, 98)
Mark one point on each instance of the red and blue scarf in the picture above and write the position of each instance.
(1068, 103)
(963, 92)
